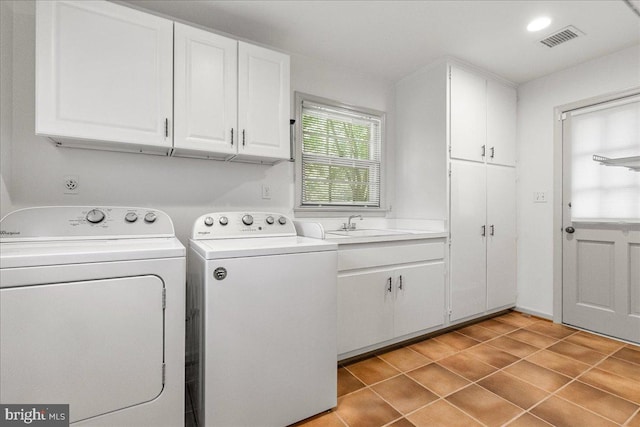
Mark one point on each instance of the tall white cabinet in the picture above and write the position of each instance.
(456, 130)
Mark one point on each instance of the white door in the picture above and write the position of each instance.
(468, 115)
(501, 124)
(103, 72)
(365, 309)
(501, 237)
(601, 219)
(468, 239)
(263, 102)
(96, 345)
(205, 92)
(419, 298)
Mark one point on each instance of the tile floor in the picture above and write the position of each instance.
(511, 370)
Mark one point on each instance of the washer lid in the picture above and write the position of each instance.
(260, 246)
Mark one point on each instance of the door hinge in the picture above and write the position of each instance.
(166, 128)
(562, 116)
(164, 373)
(164, 298)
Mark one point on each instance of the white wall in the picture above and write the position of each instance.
(6, 99)
(184, 188)
(536, 102)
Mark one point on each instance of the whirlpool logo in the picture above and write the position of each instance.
(34, 415)
(5, 233)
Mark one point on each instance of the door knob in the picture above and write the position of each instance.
(570, 230)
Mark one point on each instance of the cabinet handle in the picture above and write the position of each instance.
(400, 282)
(166, 128)
(484, 230)
(243, 137)
(491, 230)
(232, 137)
(493, 152)
(389, 281)
(484, 150)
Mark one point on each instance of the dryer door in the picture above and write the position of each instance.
(96, 345)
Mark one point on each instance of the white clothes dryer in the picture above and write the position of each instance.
(264, 336)
(92, 305)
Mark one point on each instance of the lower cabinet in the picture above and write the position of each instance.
(376, 305)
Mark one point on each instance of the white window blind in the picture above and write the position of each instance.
(341, 156)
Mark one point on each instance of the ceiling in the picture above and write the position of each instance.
(391, 39)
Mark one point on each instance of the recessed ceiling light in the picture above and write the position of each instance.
(538, 24)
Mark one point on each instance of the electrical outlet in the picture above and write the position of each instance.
(71, 184)
(539, 197)
(266, 191)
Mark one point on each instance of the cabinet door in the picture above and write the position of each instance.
(501, 239)
(468, 239)
(205, 92)
(103, 72)
(365, 309)
(263, 102)
(468, 106)
(419, 298)
(501, 124)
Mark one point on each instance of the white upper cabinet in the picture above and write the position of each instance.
(468, 115)
(501, 124)
(263, 103)
(205, 98)
(103, 73)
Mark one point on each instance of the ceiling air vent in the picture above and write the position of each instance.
(561, 36)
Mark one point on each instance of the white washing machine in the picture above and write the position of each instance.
(92, 304)
(265, 300)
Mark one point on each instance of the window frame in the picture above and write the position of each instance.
(335, 210)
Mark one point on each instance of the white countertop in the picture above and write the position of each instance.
(365, 235)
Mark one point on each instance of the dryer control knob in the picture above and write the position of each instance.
(150, 217)
(269, 220)
(208, 221)
(247, 220)
(95, 216)
(131, 217)
(282, 220)
(223, 220)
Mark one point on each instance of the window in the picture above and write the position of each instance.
(339, 155)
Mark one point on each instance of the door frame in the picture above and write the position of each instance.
(557, 186)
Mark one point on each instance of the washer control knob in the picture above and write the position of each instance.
(95, 216)
(131, 217)
(208, 221)
(282, 220)
(223, 220)
(247, 220)
(270, 220)
(150, 217)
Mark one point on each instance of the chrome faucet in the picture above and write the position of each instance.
(346, 226)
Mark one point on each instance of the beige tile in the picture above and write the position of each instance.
(622, 368)
(347, 383)
(478, 333)
(373, 370)
(329, 419)
(438, 379)
(405, 359)
(630, 354)
(612, 383)
(499, 327)
(532, 338)
(635, 421)
(456, 340)
(433, 349)
(513, 389)
(516, 319)
(404, 394)
(577, 352)
(492, 356)
(600, 402)
(595, 342)
(365, 409)
(560, 413)
(558, 363)
(537, 375)
(512, 346)
(441, 414)
(467, 366)
(484, 405)
(554, 330)
(528, 420)
(402, 422)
